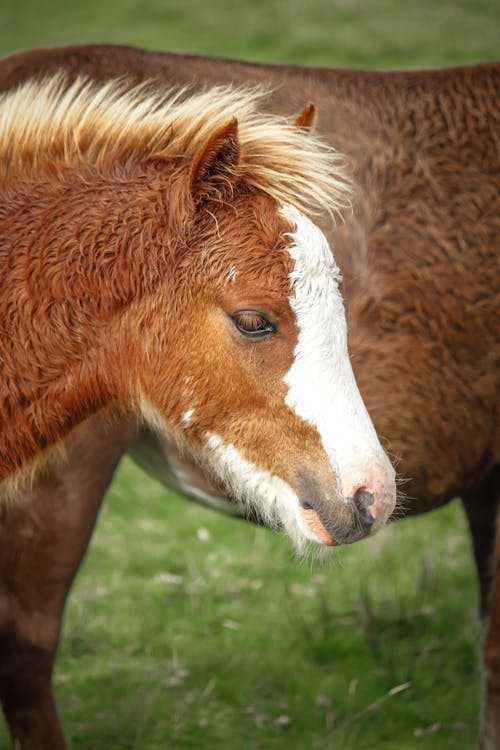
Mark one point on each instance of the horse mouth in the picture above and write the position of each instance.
(315, 524)
(335, 519)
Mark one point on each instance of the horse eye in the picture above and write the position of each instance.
(253, 323)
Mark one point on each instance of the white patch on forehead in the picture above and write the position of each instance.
(232, 273)
(273, 499)
(322, 388)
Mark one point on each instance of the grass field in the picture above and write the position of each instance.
(372, 33)
(188, 630)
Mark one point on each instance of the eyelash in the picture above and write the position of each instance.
(253, 323)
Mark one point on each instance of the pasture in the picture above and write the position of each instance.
(187, 630)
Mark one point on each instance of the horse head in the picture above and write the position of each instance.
(265, 400)
(160, 256)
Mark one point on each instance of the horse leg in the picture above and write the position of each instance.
(44, 534)
(482, 514)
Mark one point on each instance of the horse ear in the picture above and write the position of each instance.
(214, 169)
(307, 117)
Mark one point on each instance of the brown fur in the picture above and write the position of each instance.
(104, 239)
(419, 258)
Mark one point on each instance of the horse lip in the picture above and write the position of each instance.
(316, 526)
(336, 519)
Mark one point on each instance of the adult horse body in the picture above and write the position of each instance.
(418, 257)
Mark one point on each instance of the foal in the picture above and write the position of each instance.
(157, 260)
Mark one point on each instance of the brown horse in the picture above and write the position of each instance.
(418, 257)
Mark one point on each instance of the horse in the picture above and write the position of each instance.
(418, 254)
(158, 260)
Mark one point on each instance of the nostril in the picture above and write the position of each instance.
(362, 500)
(307, 506)
(364, 497)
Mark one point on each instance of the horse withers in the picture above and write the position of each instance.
(158, 262)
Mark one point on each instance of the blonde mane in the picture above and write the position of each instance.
(54, 122)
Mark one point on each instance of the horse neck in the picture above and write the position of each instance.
(74, 265)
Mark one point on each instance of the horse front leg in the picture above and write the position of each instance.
(490, 733)
(483, 515)
(44, 534)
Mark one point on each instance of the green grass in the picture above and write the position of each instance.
(325, 32)
(188, 630)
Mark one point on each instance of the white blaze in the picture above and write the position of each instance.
(322, 388)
